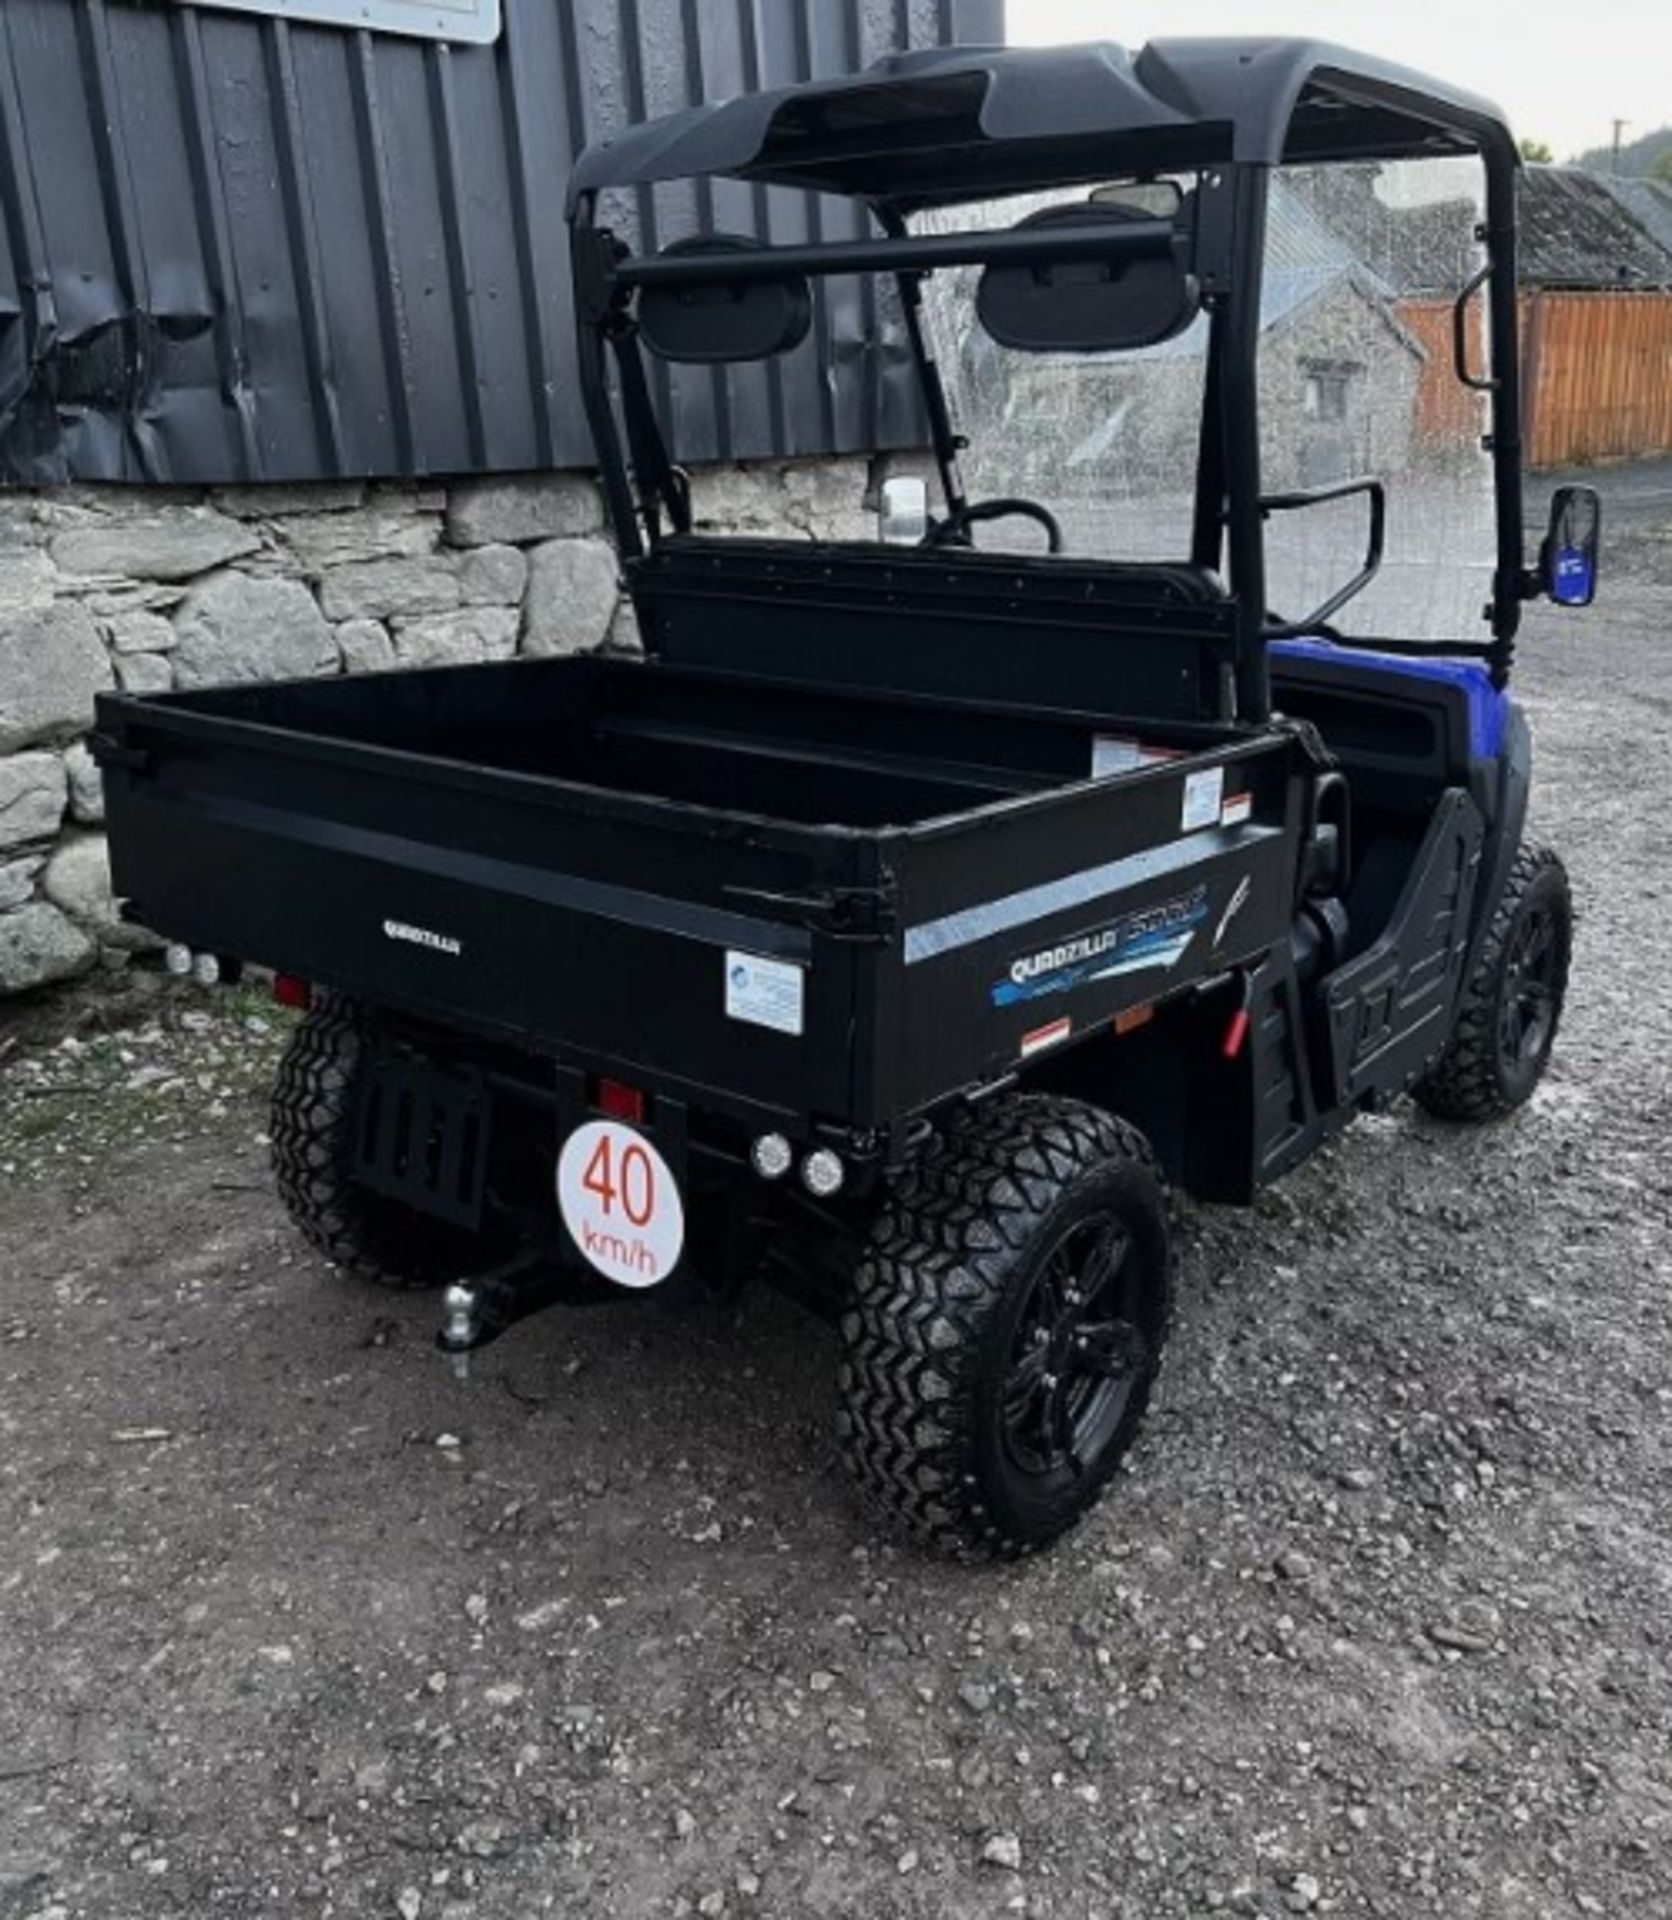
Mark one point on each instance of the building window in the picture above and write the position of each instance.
(1324, 396)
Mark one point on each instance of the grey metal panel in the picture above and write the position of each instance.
(235, 247)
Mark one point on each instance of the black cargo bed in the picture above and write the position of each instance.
(692, 736)
(573, 854)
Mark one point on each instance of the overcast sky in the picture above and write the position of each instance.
(1561, 69)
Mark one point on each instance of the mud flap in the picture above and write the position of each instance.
(421, 1136)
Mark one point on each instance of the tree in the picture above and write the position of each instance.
(1538, 151)
(1662, 169)
(1637, 158)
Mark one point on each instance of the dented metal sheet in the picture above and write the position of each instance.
(239, 247)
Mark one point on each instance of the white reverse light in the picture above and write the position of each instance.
(822, 1173)
(772, 1156)
(177, 959)
(206, 970)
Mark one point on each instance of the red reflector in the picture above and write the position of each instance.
(291, 992)
(1048, 1036)
(1235, 1034)
(620, 1101)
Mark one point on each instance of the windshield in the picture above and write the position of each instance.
(1364, 264)
(1077, 372)
(1105, 440)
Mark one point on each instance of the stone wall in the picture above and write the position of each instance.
(146, 590)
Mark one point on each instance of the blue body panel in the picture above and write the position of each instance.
(1488, 707)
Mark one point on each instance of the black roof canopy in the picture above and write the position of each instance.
(951, 124)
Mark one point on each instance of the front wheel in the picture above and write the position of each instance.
(1007, 1325)
(1512, 1005)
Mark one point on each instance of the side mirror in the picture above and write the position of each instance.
(1150, 199)
(903, 510)
(1567, 561)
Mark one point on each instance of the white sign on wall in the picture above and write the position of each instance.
(476, 21)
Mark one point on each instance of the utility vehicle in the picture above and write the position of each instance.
(917, 909)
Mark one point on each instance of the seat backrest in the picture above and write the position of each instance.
(1094, 636)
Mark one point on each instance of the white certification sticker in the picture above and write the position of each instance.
(1204, 793)
(766, 993)
(621, 1204)
(1114, 753)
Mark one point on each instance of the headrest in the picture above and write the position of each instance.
(1087, 306)
(724, 320)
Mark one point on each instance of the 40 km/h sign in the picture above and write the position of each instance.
(621, 1203)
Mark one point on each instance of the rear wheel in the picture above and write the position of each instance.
(1512, 1006)
(315, 1104)
(1007, 1325)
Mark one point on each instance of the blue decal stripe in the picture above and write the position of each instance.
(1137, 958)
(972, 924)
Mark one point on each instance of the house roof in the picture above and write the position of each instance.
(1298, 236)
(1649, 203)
(1283, 291)
(1576, 232)
(1420, 246)
(1305, 257)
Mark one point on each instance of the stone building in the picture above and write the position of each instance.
(126, 588)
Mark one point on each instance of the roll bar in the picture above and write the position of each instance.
(913, 253)
(1221, 242)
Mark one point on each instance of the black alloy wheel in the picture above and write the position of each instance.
(1510, 1011)
(1080, 1350)
(1007, 1323)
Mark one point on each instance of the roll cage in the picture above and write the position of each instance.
(935, 130)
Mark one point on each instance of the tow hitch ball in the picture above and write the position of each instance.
(461, 1328)
(475, 1312)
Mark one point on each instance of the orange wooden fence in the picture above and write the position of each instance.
(1447, 412)
(1597, 376)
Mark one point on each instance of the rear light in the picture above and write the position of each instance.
(620, 1101)
(291, 992)
(772, 1156)
(822, 1173)
(1235, 1034)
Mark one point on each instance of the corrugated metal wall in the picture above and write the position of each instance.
(233, 248)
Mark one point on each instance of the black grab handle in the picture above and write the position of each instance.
(1479, 383)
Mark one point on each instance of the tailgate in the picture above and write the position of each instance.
(600, 927)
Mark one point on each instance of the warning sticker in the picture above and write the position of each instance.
(1204, 793)
(766, 993)
(621, 1203)
(1117, 753)
(1237, 809)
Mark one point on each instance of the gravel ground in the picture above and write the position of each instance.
(292, 1623)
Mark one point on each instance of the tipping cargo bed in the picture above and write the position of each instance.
(887, 897)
